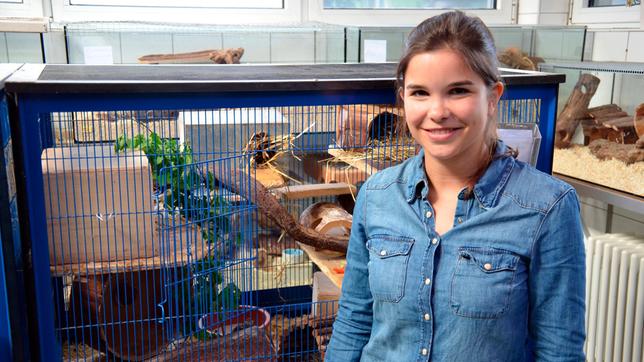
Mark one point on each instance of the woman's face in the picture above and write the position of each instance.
(447, 106)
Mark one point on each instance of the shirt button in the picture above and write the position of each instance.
(460, 220)
(383, 252)
(434, 240)
(428, 214)
(427, 317)
(427, 281)
(487, 266)
(424, 352)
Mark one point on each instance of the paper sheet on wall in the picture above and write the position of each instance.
(98, 55)
(375, 51)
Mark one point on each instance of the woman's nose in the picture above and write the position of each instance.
(438, 110)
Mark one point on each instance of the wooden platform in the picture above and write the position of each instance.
(326, 261)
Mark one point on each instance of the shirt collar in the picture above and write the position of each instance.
(486, 190)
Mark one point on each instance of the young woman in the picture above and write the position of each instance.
(461, 253)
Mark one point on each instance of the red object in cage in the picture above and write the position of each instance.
(242, 321)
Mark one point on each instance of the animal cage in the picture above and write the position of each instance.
(165, 209)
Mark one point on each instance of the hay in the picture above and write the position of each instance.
(580, 163)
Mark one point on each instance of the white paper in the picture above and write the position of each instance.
(375, 51)
(98, 55)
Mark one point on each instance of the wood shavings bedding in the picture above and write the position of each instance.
(578, 162)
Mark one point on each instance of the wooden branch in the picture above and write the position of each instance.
(313, 190)
(217, 56)
(270, 206)
(575, 110)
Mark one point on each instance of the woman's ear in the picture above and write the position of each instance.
(401, 95)
(495, 95)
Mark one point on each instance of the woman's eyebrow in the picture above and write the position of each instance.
(461, 83)
(414, 86)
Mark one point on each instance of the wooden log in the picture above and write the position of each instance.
(121, 312)
(327, 218)
(640, 142)
(604, 149)
(270, 206)
(624, 129)
(575, 110)
(610, 110)
(638, 120)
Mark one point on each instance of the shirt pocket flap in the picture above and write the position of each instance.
(490, 260)
(388, 246)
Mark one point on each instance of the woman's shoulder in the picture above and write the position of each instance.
(532, 188)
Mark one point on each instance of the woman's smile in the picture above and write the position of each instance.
(442, 134)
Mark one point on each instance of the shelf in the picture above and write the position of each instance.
(613, 197)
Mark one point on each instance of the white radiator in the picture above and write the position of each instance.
(615, 298)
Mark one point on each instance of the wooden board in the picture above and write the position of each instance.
(326, 261)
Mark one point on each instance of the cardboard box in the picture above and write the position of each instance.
(325, 297)
(98, 204)
(220, 133)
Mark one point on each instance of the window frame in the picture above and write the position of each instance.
(65, 11)
(22, 9)
(606, 16)
(504, 14)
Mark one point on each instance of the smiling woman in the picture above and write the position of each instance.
(461, 253)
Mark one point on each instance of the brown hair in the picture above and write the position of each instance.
(467, 36)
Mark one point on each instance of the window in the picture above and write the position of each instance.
(239, 4)
(606, 13)
(407, 13)
(409, 4)
(601, 3)
(223, 12)
(21, 8)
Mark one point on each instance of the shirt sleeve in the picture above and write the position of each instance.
(557, 284)
(352, 327)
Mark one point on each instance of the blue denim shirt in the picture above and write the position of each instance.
(506, 283)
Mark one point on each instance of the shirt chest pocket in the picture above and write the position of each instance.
(388, 259)
(482, 282)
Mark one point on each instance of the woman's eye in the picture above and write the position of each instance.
(459, 91)
(418, 93)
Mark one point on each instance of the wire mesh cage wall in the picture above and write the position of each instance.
(166, 206)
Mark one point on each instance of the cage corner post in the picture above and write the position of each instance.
(25, 123)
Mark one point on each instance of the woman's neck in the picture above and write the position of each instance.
(452, 176)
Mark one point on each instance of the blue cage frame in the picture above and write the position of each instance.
(36, 90)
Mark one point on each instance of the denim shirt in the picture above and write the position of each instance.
(506, 283)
